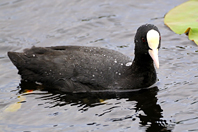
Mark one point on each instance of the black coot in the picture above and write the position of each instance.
(86, 69)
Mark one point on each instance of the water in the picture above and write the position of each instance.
(171, 105)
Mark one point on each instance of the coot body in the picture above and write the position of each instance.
(86, 69)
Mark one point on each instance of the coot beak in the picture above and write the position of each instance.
(153, 39)
(154, 55)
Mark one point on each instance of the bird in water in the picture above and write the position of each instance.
(87, 69)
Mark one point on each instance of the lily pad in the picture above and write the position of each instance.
(184, 19)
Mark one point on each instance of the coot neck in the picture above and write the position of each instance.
(142, 62)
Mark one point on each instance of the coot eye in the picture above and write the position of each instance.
(143, 40)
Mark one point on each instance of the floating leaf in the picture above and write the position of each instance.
(184, 19)
(16, 106)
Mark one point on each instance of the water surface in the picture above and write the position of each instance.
(171, 105)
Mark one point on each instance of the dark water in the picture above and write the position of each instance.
(172, 105)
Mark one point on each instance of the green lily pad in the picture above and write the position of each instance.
(184, 19)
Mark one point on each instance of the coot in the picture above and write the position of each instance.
(86, 69)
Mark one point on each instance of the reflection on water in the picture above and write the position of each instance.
(147, 111)
(111, 24)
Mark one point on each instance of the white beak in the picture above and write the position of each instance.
(154, 55)
(153, 43)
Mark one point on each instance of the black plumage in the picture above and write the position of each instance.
(86, 69)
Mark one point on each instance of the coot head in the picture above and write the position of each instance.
(148, 41)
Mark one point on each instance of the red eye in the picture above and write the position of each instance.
(143, 40)
(160, 37)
